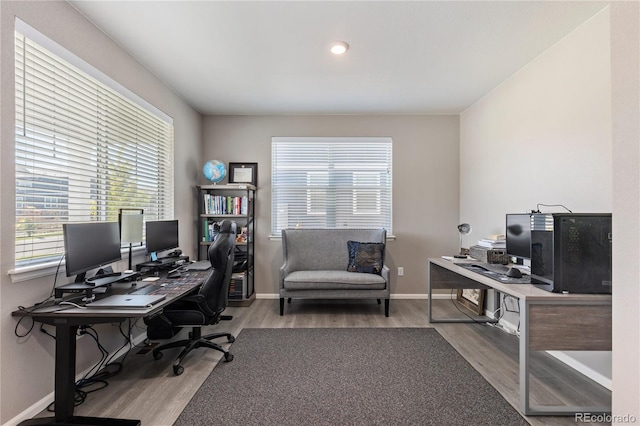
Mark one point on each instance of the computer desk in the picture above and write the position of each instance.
(548, 322)
(66, 321)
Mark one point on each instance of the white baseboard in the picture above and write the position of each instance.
(594, 375)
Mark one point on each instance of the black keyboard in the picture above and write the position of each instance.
(169, 286)
(493, 267)
(148, 289)
(110, 278)
(496, 272)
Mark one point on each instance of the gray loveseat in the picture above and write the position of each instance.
(316, 261)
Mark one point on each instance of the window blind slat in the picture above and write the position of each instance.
(82, 151)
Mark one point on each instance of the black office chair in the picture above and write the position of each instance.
(204, 308)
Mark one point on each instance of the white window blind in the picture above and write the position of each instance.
(331, 183)
(82, 151)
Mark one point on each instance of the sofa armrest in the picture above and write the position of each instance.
(386, 274)
(285, 270)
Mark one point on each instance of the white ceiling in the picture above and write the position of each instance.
(267, 57)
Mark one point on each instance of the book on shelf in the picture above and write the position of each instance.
(224, 204)
(210, 231)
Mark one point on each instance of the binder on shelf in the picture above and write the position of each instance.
(238, 286)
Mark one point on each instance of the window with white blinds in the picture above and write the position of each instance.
(83, 150)
(331, 183)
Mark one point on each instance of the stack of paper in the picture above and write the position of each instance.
(493, 241)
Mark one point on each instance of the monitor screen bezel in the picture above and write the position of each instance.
(161, 235)
(90, 245)
(518, 246)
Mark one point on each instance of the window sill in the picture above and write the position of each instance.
(28, 273)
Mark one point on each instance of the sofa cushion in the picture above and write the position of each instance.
(333, 280)
(365, 257)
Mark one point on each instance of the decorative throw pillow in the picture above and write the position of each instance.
(365, 257)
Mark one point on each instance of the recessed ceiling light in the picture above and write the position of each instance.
(339, 47)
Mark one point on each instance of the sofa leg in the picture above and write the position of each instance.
(386, 307)
(379, 301)
(281, 306)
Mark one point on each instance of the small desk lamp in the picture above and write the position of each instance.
(463, 229)
(130, 228)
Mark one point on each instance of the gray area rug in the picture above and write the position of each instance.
(346, 376)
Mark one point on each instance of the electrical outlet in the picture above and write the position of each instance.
(400, 271)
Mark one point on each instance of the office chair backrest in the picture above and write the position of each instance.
(215, 287)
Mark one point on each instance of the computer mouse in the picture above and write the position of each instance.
(514, 273)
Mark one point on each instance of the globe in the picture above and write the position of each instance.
(214, 171)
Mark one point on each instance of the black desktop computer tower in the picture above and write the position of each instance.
(571, 252)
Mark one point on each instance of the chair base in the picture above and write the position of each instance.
(195, 341)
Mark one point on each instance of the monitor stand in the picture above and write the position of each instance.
(80, 278)
(74, 287)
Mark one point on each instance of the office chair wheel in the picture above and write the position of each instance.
(228, 357)
(178, 370)
(231, 339)
(157, 354)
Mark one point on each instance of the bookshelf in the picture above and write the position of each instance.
(233, 202)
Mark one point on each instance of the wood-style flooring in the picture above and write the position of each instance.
(148, 390)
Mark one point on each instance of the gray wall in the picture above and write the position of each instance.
(625, 100)
(549, 128)
(425, 182)
(26, 365)
(564, 129)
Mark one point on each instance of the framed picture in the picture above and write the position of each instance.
(243, 173)
(472, 299)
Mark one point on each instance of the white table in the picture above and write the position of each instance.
(548, 321)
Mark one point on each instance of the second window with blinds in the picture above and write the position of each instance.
(331, 182)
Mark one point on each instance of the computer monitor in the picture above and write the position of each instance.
(518, 235)
(161, 235)
(90, 245)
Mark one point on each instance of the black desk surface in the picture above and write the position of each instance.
(67, 319)
(47, 312)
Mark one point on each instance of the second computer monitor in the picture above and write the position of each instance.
(518, 235)
(161, 235)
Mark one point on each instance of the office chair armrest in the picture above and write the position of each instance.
(193, 298)
(198, 299)
(201, 301)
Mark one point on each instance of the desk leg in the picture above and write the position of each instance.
(527, 336)
(441, 278)
(65, 386)
(524, 357)
(65, 374)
